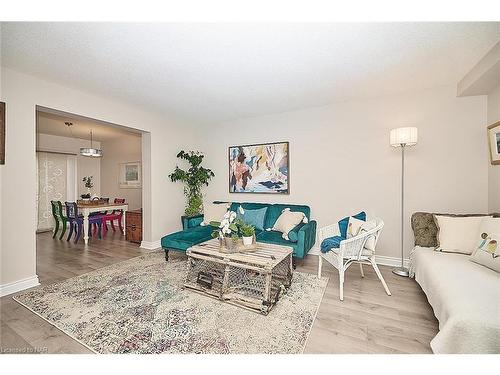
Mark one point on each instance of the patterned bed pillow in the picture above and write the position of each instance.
(424, 229)
(488, 248)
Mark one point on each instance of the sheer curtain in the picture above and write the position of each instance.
(56, 181)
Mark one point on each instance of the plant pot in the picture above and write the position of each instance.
(230, 244)
(247, 241)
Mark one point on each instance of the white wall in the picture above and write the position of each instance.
(85, 166)
(22, 93)
(494, 170)
(122, 149)
(341, 161)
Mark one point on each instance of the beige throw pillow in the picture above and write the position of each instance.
(369, 225)
(457, 234)
(356, 227)
(487, 251)
(213, 212)
(287, 221)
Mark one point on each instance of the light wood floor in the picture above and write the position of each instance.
(367, 321)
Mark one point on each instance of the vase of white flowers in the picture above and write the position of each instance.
(228, 231)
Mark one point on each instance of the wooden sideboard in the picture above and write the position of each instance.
(133, 226)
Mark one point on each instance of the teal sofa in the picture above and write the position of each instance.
(302, 237)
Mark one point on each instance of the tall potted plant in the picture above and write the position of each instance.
(194, 178)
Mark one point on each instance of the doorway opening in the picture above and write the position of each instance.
(90, 193)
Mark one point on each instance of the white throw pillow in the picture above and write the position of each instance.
(287, 221)
(487, 251)
(369, 225)
(213, 212)
(457, 234)
(353, 226)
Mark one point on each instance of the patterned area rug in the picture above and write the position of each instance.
(138, 306)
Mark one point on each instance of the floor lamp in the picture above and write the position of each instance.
(403, 137)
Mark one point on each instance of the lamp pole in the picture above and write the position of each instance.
(402, 271)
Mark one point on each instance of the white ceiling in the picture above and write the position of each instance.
(219, 72)
(53, 123)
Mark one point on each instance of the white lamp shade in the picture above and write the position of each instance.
(404, 136)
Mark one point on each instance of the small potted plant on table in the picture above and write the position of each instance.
(247, 233)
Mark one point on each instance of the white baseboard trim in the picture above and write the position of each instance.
(151, 245)
(391, 261)
(380, 259)
(17, 286)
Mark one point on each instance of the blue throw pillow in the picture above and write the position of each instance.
(253, 217)
(330, 243)
(345, 222)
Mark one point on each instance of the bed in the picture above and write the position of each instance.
(465, 297)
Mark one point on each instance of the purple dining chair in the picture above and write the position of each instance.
(76, 222)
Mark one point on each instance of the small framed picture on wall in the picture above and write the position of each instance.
(2, 133)
(494, 142)
(130, 175)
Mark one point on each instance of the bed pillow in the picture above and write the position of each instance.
(287, 221)
(487, 252)
(457, 234)
(213, 212)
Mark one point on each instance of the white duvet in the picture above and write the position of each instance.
(465, 297)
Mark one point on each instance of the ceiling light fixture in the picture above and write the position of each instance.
(69, 125)
(91, 151)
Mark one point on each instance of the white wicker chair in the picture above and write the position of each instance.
(351, 250)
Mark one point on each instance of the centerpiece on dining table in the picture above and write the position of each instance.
(233, 233)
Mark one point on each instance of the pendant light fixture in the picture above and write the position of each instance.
(91, 151)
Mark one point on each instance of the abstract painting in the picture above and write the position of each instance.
(260, 168)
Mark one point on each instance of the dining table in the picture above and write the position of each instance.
(87, 208)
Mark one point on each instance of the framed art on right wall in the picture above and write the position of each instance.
(494, 142)
(2, 133)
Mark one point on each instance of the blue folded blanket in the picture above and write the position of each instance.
(330, 243)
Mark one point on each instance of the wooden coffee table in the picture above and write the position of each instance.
(254, 280)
